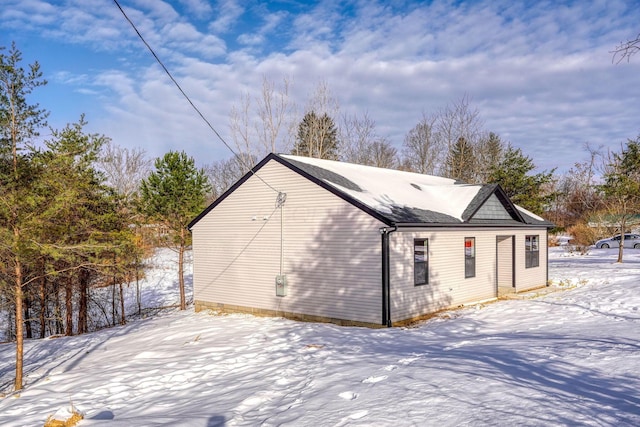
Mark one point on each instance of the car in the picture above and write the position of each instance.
(630, 241)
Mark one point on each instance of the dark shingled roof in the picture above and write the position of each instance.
(435, 191)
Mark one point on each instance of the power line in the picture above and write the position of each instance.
(189, 99)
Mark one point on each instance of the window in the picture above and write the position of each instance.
(421, 261)
(532, 251)
(469, 257)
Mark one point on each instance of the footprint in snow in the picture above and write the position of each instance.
(358, 415)
(372, 380)
(348, 395)
(407, 360)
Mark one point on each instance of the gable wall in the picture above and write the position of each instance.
(448, 286)
(331, 251)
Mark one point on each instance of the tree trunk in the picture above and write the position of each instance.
(27, 316)
(183, 303)
(138, 295)
(82, 305)
(58, 310)
(68, 306)
(623, 227)
(113, 302)
(123, 319)
(19, 325)
(43, 305)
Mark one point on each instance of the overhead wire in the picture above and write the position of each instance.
(184, 94)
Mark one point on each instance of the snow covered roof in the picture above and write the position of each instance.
(399, 197)
(406, 197)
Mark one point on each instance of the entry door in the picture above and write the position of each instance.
(505, 265)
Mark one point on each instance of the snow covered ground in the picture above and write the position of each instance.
(570, 357)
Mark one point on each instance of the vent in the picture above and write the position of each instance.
(416, 186)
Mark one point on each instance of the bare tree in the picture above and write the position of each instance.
(422, 149)
(264, 127)
(383, 154)
(578, 195)
(241, 131)
(458, 122)
(224, 173)
(275, 128)
(124, 169)
(323, 102)
(362, 145)
(626, 50)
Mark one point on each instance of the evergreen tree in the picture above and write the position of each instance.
(84, 232)
(621, 186)
(19, 122)
(172, 196)
(461, 161)
(489, 153)
(317, 137)
(524, 189)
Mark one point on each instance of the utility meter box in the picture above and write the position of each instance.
(281, 285)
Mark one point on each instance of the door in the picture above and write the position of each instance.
(505, 265)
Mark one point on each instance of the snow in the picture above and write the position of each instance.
(384, 189)
(565, 355)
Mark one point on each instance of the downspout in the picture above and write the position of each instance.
(386, 275)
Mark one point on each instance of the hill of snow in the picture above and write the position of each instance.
(569, 357)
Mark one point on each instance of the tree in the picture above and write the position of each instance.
(223, 174)
(363, 146)
(124, 169)
(489, 150)
(86, 234)
(461, 161)
(422, 149)
(621, 186)
(264, 126)
(382, 154)
(19, 123)
(455, 121)
(524, 189)
(626, 49)
(578, 195)
(172, 196)
(316, 137)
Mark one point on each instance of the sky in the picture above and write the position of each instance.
(540, 73)
(568, 357)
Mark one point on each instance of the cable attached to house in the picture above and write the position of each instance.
(197, 110)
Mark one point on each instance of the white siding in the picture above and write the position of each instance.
(535, 277)
(447, 285)
(332, 250)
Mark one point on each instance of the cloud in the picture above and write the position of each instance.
(228, 13)
(199, 8)
(540, 74)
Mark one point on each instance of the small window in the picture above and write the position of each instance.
(532, 251)
(421, 261)
(469, 257)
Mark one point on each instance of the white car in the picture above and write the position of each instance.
(630, 241)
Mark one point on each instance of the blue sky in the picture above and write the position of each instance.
(540, 73)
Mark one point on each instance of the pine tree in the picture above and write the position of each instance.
(317, 137)
(19, 123)
(173, 195)
(524, 189)
(461, 161)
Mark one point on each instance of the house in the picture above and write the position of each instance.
(330, 241)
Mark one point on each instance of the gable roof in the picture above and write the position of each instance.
(403, 198)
